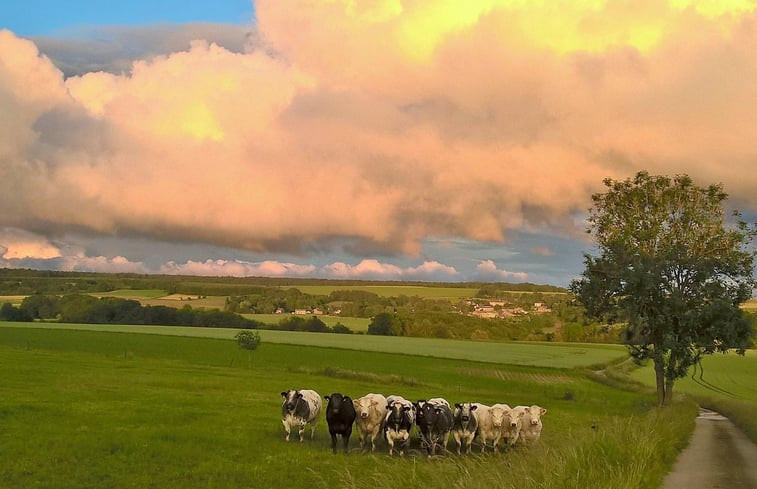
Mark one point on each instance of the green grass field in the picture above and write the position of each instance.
(91, 409)
(729, 376)
(132, 293)
(355, 324)
(556, 355)
(726, 384)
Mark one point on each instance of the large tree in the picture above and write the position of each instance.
(673, 267)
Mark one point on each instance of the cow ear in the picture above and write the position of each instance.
(284, 393)
(473, 407)
(299, 394)
(388, 407)
(356, 402)
(458, 405)
(328, 398)
(543, 411)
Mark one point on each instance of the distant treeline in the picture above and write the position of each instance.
(82, 308)
(28, 282)
(86, 309)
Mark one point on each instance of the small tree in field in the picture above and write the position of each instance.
(671, 267)
(249, 340)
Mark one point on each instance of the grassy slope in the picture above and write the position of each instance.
(558, 355)
(96, 409)
(727, 385)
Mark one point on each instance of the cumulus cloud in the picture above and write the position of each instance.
(487, 271)
(237, 268)
(382, 122)
(375, 270)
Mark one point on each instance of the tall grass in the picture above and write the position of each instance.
(742, 413)
(623, 453)
(82, 409)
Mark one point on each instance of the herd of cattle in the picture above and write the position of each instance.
(394, 418)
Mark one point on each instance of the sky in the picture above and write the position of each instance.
(430, 140)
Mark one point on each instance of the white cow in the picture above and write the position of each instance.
(371, 411)
(511, 422)
(532, 426)
(300, 408)
(398, 423)
(487, 430)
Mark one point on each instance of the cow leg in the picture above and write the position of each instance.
(287, 429)
(458, 442)
(333, 441)
(446, 440)
(346, 440)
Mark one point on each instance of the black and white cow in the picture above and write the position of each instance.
(464, 425)
(434, 420)
(340, 416)
(398, 424)
(300, 408)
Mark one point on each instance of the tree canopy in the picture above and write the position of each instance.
(672, 266)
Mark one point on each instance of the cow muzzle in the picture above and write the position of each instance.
(364, 414)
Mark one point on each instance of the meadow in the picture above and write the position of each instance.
(557, 355)
(453, 293)
(725, 383)
(82, 409)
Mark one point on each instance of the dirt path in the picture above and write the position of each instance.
(719, 456)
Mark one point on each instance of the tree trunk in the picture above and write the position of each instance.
(659, 372)
(668, 392)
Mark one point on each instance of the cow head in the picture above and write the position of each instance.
(515, 416)
(364, 406)
(498, 415)
(291, 397)
(536, 413)
(336, 401)
(464, 411)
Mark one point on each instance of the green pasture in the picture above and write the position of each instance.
(556, 355)
(393, 290)
(355, 324)
(132, 293)
(91, 409)
(725, 383)
(729, 376)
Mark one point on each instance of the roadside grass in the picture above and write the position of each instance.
(354, 323)
(726, 385)
(556, 355)
(98, 409)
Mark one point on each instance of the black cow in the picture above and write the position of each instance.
(340, 415)
(398, 424)
(434, 421)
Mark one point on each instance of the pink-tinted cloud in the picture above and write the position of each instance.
(384, 123)
(237, 268)
(487, 271)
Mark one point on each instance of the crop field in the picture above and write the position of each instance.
(133, 293)
(121, 410)
(355, 324)
(556, 355)
(14, 300)
(393, 290)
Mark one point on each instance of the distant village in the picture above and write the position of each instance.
(492, 309)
